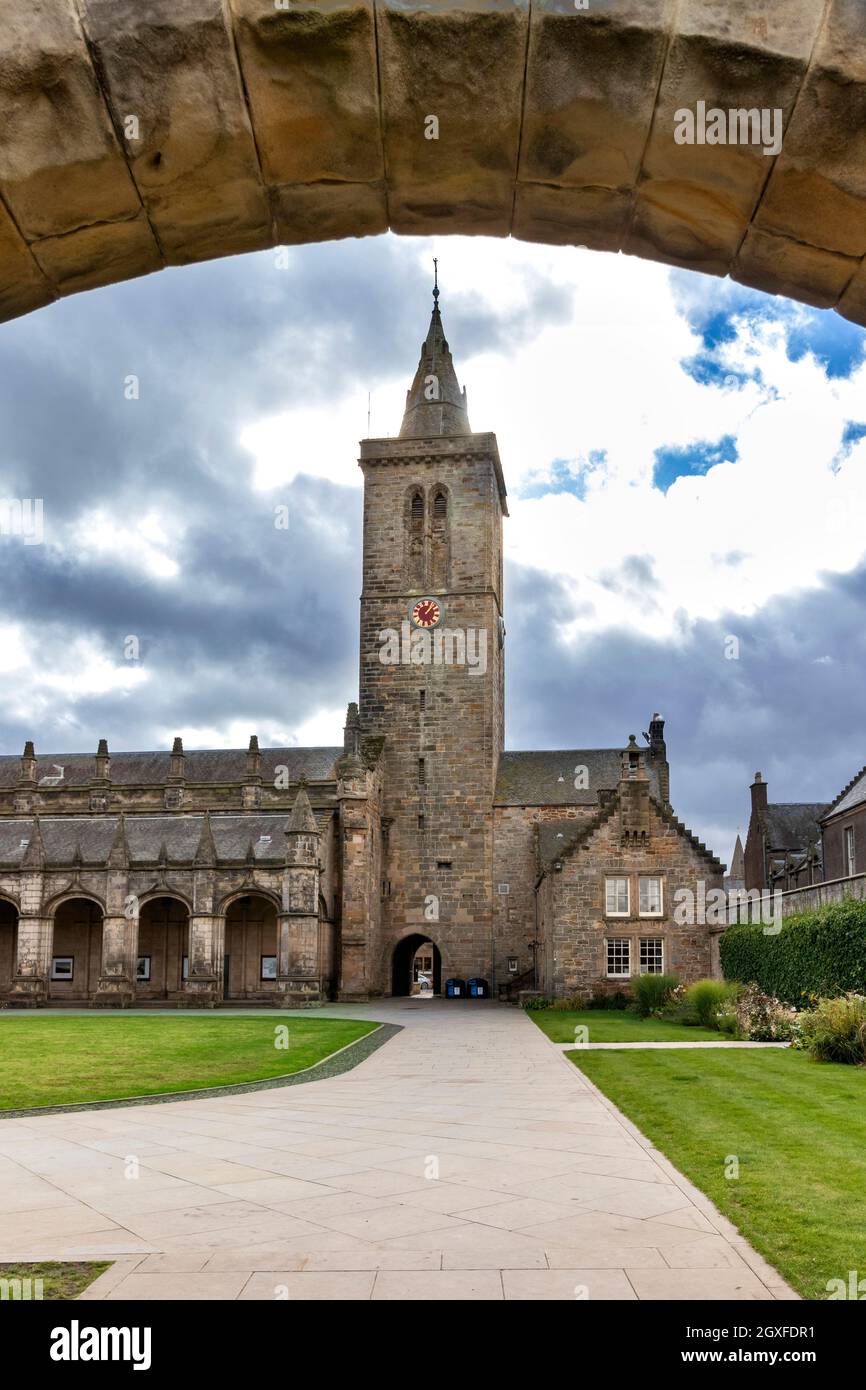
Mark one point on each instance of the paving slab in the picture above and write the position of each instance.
(466, 1159)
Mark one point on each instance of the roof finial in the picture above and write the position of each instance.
(436, 282)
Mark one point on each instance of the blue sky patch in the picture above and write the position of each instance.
(565, 476)
(692, 461)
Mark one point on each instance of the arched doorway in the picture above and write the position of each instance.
(163, 949)
(76, 957)
(250, 965)
(8, 945)
(410, 959)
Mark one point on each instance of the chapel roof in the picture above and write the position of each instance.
(201, 765)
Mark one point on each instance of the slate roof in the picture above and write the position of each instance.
(152, 769)
(64, 837)
(546, 777)
(793, 824)
(849, 797)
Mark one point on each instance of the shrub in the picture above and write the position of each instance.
(835, 1030)
(651, 992)
(569, 1002)
(600, 1000)
(539, 1002)
(726, 1020)
(705, 1000)
(761, 1018)
(818, 953)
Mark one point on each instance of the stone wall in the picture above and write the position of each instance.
(573, 923)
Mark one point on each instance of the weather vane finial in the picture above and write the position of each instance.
(436, 281)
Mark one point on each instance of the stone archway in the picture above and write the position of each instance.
(76, 958)
(150, 133)
(163, 949)
(403, 964)
(8, 945)
(251, 949)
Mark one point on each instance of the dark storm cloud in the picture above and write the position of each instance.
(790, 705)
(261, 624)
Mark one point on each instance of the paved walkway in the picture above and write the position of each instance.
(466, 1159)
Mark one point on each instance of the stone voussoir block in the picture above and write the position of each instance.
(452, 83)
(171, 77)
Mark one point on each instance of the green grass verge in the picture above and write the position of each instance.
(615, 1025)
(59, 1281)
(797, 1129)
(61, 1061)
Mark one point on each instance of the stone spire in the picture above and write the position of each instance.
(302, 821)
(435, 404)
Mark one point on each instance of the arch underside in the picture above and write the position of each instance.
(136, 134)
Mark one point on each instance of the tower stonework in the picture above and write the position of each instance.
(431, 678)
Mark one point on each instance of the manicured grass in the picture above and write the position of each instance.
(796, 1127)
(57, 1061)
(59, 1281)
(616, 1025)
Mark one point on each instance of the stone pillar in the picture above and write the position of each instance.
(116, 987)
(204, 987)
(360, 897)
(33, 962)
(35, 928)
(298, 975)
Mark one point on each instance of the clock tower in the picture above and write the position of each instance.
(431, 670)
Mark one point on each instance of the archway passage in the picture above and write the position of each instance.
(163, 949)
(409, 963)
(8, 945)
(185, 140)
(76, 957)
(250, 963)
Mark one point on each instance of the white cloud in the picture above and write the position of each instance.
(609, 384)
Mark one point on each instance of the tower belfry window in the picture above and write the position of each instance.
(415, 558)
(439, 540)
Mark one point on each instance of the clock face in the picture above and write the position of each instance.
(426, 613)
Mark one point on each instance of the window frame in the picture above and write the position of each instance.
(850, 847)
(609, 942)
(651, 941)
(55, 961)
(617, 878)
(651, 878)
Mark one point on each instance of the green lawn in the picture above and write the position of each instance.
(57, 1060)
(797, 1128)
(615, 1025)
(59, 1281)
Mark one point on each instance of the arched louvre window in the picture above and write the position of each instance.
(415, 547)
(439, 540)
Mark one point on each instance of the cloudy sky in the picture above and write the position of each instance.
(686, 465)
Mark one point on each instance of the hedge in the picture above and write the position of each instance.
(821, 952)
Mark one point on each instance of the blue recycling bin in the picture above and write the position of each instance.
(479, 989)
(455, 989)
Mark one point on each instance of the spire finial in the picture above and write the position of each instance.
(436, 282)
